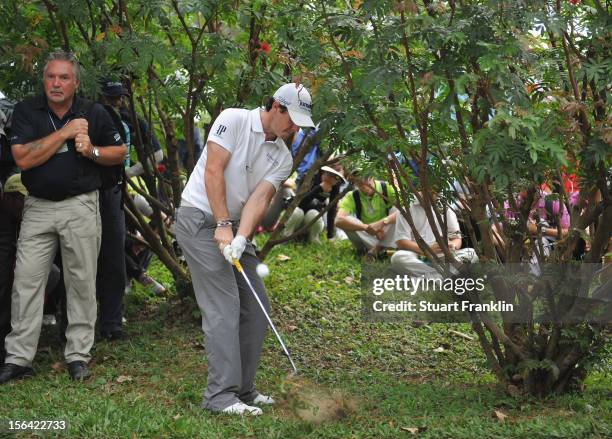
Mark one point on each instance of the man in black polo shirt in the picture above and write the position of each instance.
(59, 141)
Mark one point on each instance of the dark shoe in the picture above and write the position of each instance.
(78, 370)
(11, 371)
(113, 335)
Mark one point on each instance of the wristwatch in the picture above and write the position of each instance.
(95, 153)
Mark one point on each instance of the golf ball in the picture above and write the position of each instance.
(263, 270)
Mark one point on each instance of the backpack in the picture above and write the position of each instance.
(357, 198)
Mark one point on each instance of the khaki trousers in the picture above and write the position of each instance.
(73, 224)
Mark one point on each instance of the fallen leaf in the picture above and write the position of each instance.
(413, 430)
(57, 366)
(499, 415)
(439, 349)
(291, 328)
(176, 417)
(349, 280)
(124, 378)
(282, 258)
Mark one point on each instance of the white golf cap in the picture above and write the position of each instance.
(333, 171)
(297, 100)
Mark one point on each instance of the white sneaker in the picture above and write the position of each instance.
(240, 408)
(263, 400)
(146, 280)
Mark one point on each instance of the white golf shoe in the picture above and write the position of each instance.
(263, 400)
(240, 408)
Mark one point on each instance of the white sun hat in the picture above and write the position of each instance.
(333, 171)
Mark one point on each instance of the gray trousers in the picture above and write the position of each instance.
(233, 324)
(74, 225)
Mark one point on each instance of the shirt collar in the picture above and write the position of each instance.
(257, 127)
(256, 120)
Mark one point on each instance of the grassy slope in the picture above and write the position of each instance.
(151, 384)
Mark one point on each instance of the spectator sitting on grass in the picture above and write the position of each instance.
(408, 258)
(367, 216)
(314, 202)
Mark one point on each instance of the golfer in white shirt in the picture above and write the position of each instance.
(243, 165)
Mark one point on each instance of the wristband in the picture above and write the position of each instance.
(224, 223)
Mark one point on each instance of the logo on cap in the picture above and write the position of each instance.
(283, 101)
(305, 105)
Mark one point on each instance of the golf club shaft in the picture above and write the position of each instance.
(263, 309)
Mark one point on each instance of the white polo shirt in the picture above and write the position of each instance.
(403, 230)
(253, 159)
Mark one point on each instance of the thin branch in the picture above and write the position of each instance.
(83, 32)
(59, 29)
(411, 82)
(584, 122)
(92, 20)
(183, 23)
(486, 347)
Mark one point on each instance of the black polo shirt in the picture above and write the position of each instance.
(66, 173)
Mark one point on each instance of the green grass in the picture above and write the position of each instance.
(151, 384)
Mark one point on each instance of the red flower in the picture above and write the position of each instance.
(264, 47)
(161, 168)
(574, 2)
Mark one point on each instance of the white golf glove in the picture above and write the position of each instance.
(235, 249)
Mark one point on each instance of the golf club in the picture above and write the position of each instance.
(241, 270)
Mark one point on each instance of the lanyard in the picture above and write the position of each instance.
(53, 123)
(369, 202)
